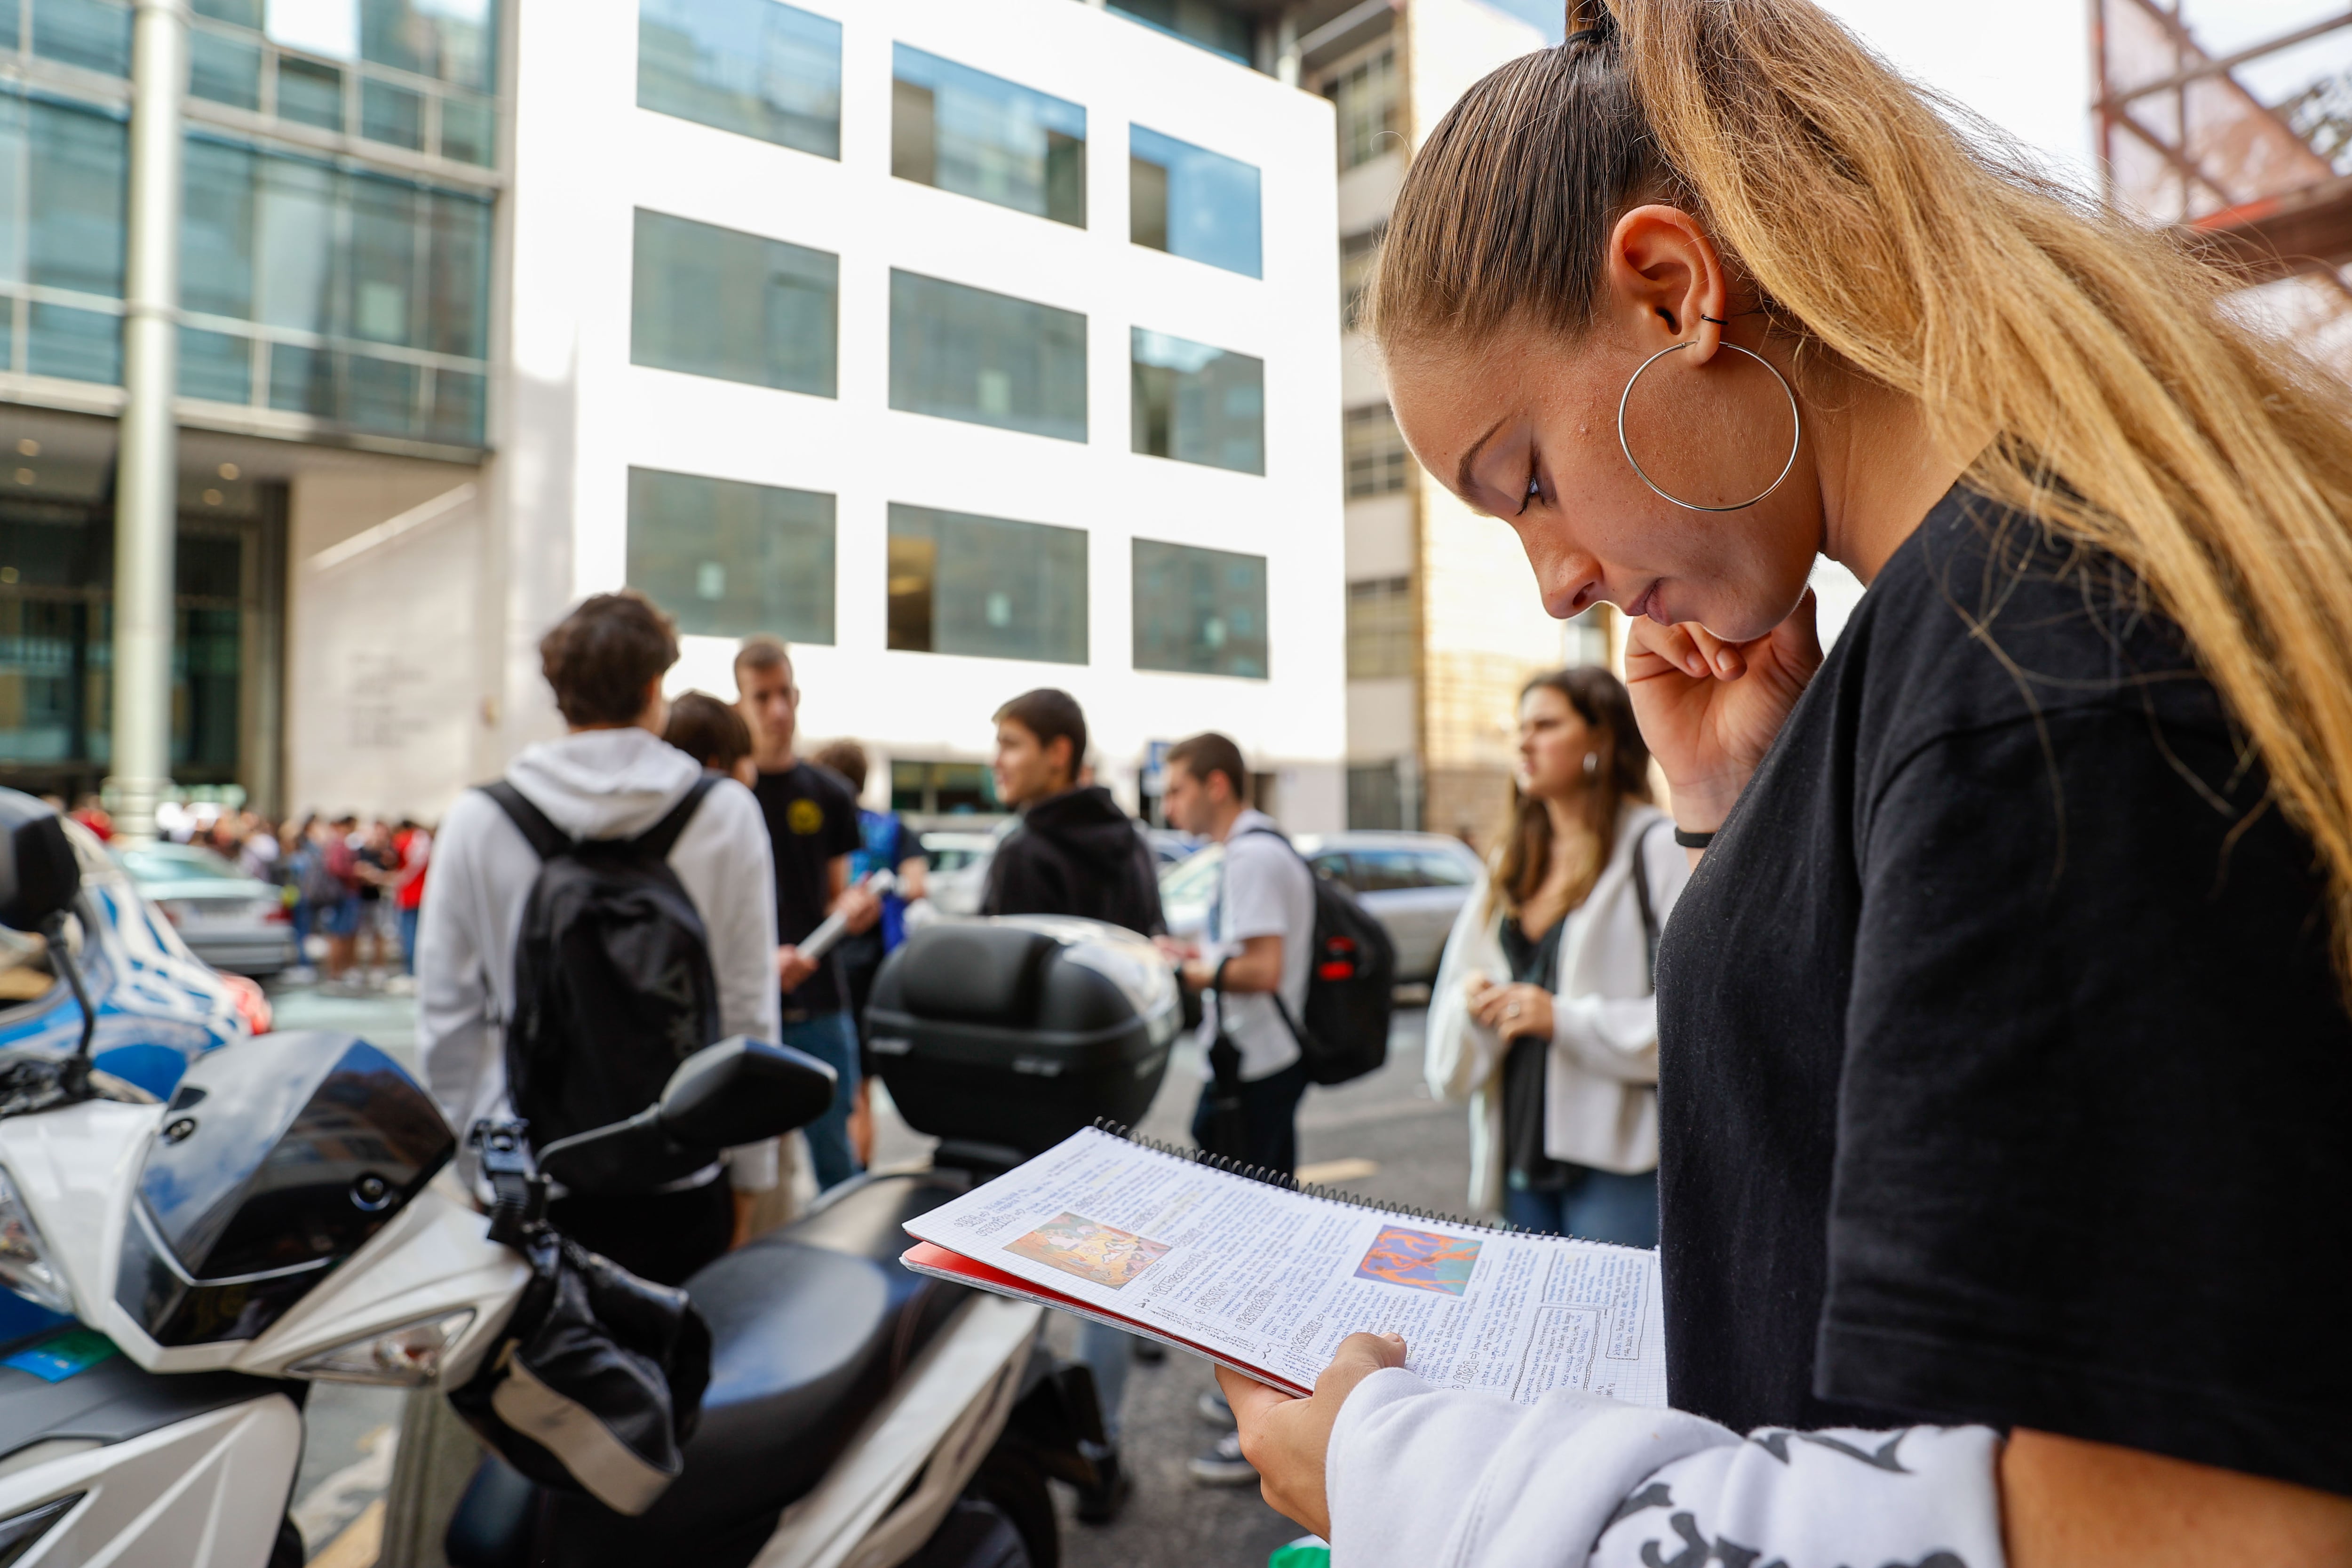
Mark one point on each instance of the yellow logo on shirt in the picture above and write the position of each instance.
(804, 817)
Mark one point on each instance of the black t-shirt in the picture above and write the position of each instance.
(811, 818)
(2003, 1076)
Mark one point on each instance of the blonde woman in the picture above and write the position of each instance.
(2004, 1064)
(1544, 1014)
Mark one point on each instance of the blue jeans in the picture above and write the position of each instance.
(408, 940)
(1107, 1353)
(1600, 1206)
(828, 1037)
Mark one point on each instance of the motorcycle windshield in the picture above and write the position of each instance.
(277, 1158)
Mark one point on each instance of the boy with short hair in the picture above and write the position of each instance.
(1074, 852)
(611, 776)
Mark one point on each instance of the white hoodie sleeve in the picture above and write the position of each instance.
(457, 939)
(1418, 1479)
(1458, 1055)
(725, 862)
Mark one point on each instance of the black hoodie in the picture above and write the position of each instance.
(1076, 853)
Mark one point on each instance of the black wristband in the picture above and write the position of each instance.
(1689, 841)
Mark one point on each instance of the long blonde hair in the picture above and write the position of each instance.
(2130, 413)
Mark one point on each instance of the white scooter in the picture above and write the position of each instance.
(291, 1216)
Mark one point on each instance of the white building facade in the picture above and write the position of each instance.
(969, 347)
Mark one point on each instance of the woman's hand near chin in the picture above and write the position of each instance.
(1709, 708)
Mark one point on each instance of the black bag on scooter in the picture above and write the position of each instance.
(597, 1382)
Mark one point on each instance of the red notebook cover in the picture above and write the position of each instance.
(924, 1257)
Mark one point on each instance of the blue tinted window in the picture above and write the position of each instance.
(986, 586)
(76, 172)
(215, 365)
(1203, 23)
(980, 135)
(1193, 202)
(711, 301)
(92, 34)
(1198, 403)
(726, 559)
(452, 40)
(966, 353)
(1199, 611)
(226, 71)
(79, 345)
(752, 66)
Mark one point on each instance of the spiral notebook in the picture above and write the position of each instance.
(1259, 1273)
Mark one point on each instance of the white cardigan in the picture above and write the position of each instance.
(1601, 1100)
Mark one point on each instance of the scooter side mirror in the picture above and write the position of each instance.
(742, 1090)
(39, 878)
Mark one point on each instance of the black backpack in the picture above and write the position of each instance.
(612, 983)
(1351, 985)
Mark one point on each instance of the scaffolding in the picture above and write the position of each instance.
(2233, 121)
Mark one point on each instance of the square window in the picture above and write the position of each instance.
(393, 114)
(459, 411)
(966, 353)
(978, 135)
(752, 66)
(726, 559)
(92, 34)
(1197, 403)
(309, 93)
(986, 586)
(1193, 202)
(712, 301)
(468, 131)
(1202, 612)
(78, 345)
(215, 366)
(224, 69)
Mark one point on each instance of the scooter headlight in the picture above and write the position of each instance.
(406, 1357)
(27, 1265)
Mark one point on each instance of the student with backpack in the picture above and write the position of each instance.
(595, 917)
(1545, 1013)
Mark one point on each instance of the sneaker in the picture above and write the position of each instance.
(1151, 1352)
(1215, 1410)
(1224, 1465)
(1100, 1503)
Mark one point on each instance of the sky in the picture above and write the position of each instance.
(2024, 65)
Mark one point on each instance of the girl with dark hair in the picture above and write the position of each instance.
(1545, 1013)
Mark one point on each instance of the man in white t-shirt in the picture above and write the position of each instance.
(1261, 937)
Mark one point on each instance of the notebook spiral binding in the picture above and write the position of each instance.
(1283, 1179)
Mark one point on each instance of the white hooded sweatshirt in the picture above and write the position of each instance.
(598, 783)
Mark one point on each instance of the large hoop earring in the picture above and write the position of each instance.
(1794, 441)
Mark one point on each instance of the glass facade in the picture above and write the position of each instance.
(1200, 612)
(739, 307)
(980, 135)
(965, 353)
(1197, 403)
(1193, 202)
(1365, 95)
(728, 559)
(1377, 456)
(63, 169)
(986, 586)
(1379, 628)
(56, 633)
(756, 67)
(419, 75)
(358, 298)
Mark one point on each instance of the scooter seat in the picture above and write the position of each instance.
(810, 1327)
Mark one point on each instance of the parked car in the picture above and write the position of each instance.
(959, 873)
(159, 1007)
(227, 918)
(1412, 883)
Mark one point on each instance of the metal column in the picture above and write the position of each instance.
(147, 481)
